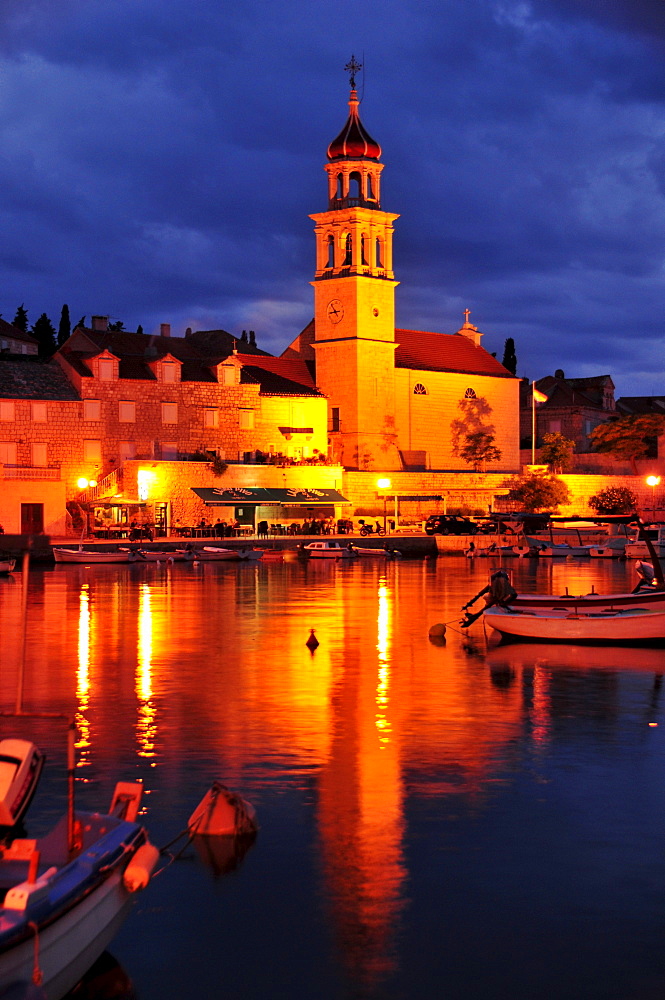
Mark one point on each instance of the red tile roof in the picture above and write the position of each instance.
(445, 352)
(278, 376)
(8, 330)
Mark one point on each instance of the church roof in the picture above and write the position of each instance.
(354, 141)
(445, 352)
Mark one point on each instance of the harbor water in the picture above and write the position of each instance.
(438, 817)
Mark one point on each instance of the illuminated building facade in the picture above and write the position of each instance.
(392, 393)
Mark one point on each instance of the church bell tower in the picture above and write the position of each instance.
(354, 300)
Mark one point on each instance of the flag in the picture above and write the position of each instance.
(538, 396)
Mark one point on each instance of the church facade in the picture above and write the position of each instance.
(397, 399)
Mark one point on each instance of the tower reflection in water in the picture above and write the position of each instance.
(182, 672)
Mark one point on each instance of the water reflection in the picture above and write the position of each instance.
(146, 723)
(365, 758)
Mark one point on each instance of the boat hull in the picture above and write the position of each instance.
(329, 550)
(636, 625)
(21, 766)
(76, 909)
(653, 600)
(87, 557)
(7, 566)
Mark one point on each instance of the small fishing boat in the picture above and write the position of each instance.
(66, 895)
(88, 556)
(21, 764)
(156, 555)
(384, 552)
(209, 553)
(561, 656)
(608, 551)
(562, 550)
(7, 566)
(625, 625)
(330, 549)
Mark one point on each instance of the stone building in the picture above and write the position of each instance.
(15, 341)
(108, 398)
(393, 394)
(574, 406)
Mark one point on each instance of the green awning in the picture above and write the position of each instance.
(307, 498)
(261, 496)
(235, 496)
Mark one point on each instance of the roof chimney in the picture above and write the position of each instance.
(165, 329)
(100, 323)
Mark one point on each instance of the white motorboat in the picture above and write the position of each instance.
(625, 625)
(330, 549)
(67, 894)
(21, 764)
(639, 549)
(88, 556)
(7, 566)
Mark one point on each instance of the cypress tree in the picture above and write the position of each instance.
(21, 319)
(139, 329)
(44, 333)
(509, 356)
(65, 327)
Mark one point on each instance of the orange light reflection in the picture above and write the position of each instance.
(83, 676)
(145, 727)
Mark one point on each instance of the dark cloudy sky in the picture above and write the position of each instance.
(160, 158)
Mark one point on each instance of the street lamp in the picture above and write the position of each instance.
(384, 484)
(653, 481)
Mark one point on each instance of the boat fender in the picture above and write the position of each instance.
(140, 868)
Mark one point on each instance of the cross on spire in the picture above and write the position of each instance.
(467, 313)
(353, 67)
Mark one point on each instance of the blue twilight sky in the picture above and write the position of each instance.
(160, 158)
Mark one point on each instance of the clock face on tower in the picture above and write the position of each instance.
(335, 311)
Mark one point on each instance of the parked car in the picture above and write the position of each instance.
(513, 523)
(449, 524)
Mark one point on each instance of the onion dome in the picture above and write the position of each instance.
(354, 142)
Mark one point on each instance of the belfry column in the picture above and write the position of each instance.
(354, 301)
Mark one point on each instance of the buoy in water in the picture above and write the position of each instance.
(312, 642)
(222, 813)
(438, 630)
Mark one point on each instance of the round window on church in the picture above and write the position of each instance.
(419, 389)
(469, 393)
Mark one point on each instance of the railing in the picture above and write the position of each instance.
(29, 472)
(106, 487)
(354, 203)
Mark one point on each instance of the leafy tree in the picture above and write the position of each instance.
(139, 329)
(614, 500)
(117, 327)
(557, 452)
(81, 323)
(538, 491)
(628, 437)
(509, 356)
(65, 327)
(20, 321)
(44, 333)
(478, 449)
(472, 438)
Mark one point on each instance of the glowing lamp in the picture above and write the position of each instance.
(82, 484)
(384, 484)
(653, 481)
